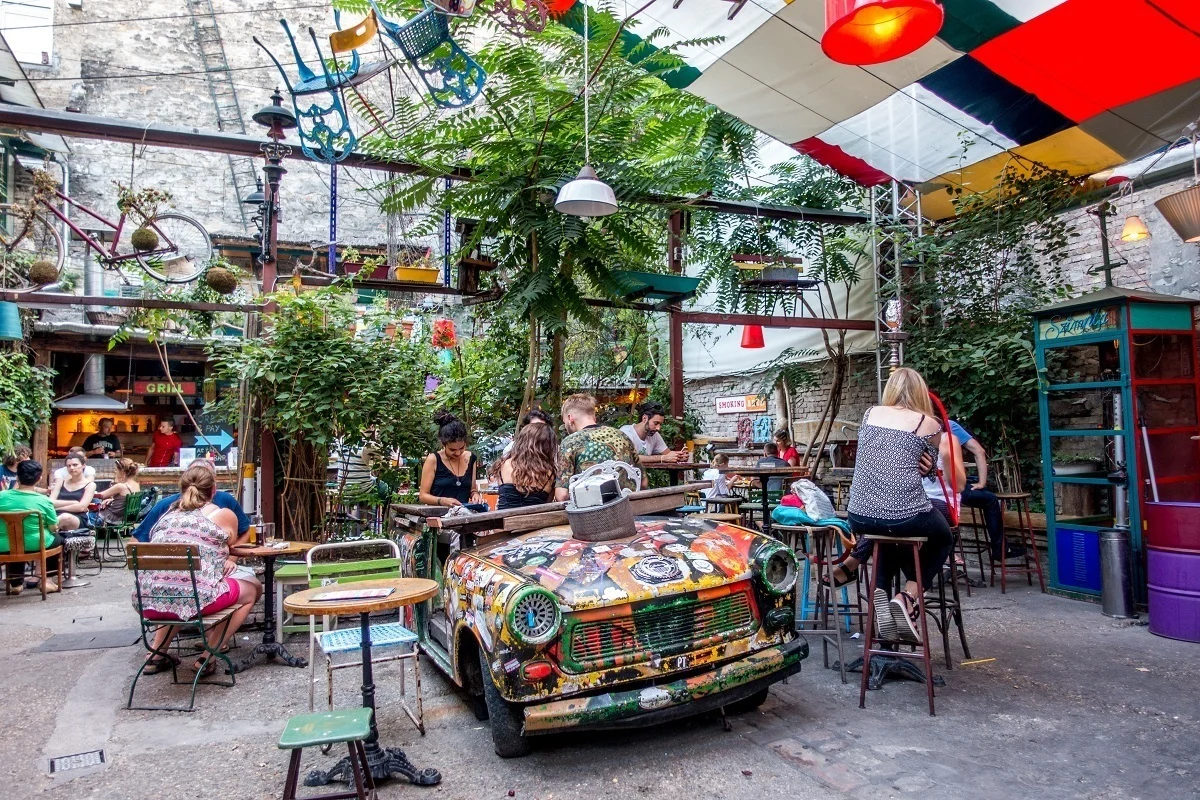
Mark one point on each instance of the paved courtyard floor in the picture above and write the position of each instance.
(1072, 705)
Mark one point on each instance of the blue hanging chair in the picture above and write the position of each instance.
(453, 78)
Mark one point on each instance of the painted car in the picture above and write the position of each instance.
(547, 633)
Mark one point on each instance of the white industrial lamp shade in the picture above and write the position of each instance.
(586, 196)
(1134, 230)
(1182, 212)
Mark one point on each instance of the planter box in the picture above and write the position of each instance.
(416, 274)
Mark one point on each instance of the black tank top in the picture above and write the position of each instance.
(71, 495)
(447, 484)
(509, 496)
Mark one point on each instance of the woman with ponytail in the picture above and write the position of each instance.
(112, 499)
(194, 519)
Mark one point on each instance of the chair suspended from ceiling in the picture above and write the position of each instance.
(453, 78)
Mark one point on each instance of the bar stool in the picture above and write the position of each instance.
(1032, 561)
(920, 651)
(945, 610)
(825, 602)
(349, 726)
(979, 544)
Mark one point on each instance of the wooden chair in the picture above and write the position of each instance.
(14, 524)
(384, 636)
(182, 558)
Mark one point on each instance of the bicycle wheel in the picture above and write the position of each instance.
(33, 240)
(183, 250)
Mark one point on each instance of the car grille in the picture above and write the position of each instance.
(663, 629)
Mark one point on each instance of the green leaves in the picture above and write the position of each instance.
(26, 392)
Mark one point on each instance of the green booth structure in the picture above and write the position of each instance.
(1119, 420)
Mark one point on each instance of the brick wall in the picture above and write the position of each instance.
(86, 55)
(1163, 263)
(859, 394)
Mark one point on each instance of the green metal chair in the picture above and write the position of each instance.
(113, 548)
(351, 726)
(386, 638)
(182, 558)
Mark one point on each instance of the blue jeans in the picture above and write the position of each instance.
(993, 517)
(929, 524)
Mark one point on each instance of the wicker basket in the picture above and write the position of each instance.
(613, 520)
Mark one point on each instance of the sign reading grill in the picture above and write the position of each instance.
(664, 629)
(92, 758)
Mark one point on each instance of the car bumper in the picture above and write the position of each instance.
(652, 705)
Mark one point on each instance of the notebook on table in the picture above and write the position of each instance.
(352, 594)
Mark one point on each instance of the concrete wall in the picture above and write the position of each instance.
(129, 43)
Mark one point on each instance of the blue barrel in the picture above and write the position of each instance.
(1173, 592)
(10, 323)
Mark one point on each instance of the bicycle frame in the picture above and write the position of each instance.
(109, 256)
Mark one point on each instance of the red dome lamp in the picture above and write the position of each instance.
(862, 32)
(752, 337)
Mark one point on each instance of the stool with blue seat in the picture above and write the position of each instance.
(350, 726)
(825, 602)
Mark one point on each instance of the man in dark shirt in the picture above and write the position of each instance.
(221, 499)
(105, 443)
(770, 458)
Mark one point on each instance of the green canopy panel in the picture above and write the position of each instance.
(663, 290)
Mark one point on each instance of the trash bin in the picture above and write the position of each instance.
(1116, 580)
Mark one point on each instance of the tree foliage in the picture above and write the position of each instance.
(982, 273)
(26, 392)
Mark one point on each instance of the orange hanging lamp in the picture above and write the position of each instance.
(752, 337)
(862, 32)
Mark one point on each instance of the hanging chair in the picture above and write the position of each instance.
(453, 78)
(521, 17)
(350, 40)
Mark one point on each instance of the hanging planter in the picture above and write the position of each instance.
(144, 239)
(10, 323)
(443, 334)
(861, 32)
(1182, 212)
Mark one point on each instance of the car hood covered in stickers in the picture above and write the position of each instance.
(667, 556)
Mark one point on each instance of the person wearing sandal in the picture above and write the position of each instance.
(195, 519)
(26, 497)
(897, 444)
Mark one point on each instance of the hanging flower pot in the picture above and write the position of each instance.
(1182, 212)
(10, 323)
(221, 280)
(42, 273)
(144, 239)
(443, 334)
(752, 337)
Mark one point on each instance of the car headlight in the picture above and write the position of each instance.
(777, 569)
(533, 615)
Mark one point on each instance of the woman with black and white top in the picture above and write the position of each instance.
(898, 443)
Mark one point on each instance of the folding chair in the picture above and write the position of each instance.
(332, 640)
(114, 548)
(184, 559)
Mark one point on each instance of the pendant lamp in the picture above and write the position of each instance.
(1134, 230)
(752, 337)
(1182, 212)
(861, 32)
(587, 195)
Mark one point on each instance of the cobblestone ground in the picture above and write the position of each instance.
(1074, 705)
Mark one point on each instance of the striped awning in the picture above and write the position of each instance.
(1078, 85)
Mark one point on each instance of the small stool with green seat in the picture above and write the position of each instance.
(350, 726)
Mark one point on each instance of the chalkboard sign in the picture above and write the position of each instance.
(214, 434)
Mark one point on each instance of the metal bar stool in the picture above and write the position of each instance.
(1032, 561)
(978, 543)
(945, 610)
(921, 651)
(826, 602)
(724, 504)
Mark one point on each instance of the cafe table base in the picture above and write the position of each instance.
(883, 667)
(269, 646)
(383, 762)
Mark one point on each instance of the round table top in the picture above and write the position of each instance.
(262, 551)
(407, 591)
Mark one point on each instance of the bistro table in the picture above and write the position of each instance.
(762, 473)
(269, 647)
(677, 469)
(383, 762)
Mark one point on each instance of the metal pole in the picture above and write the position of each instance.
(446, 242)
(333, 195)
(273, 170)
